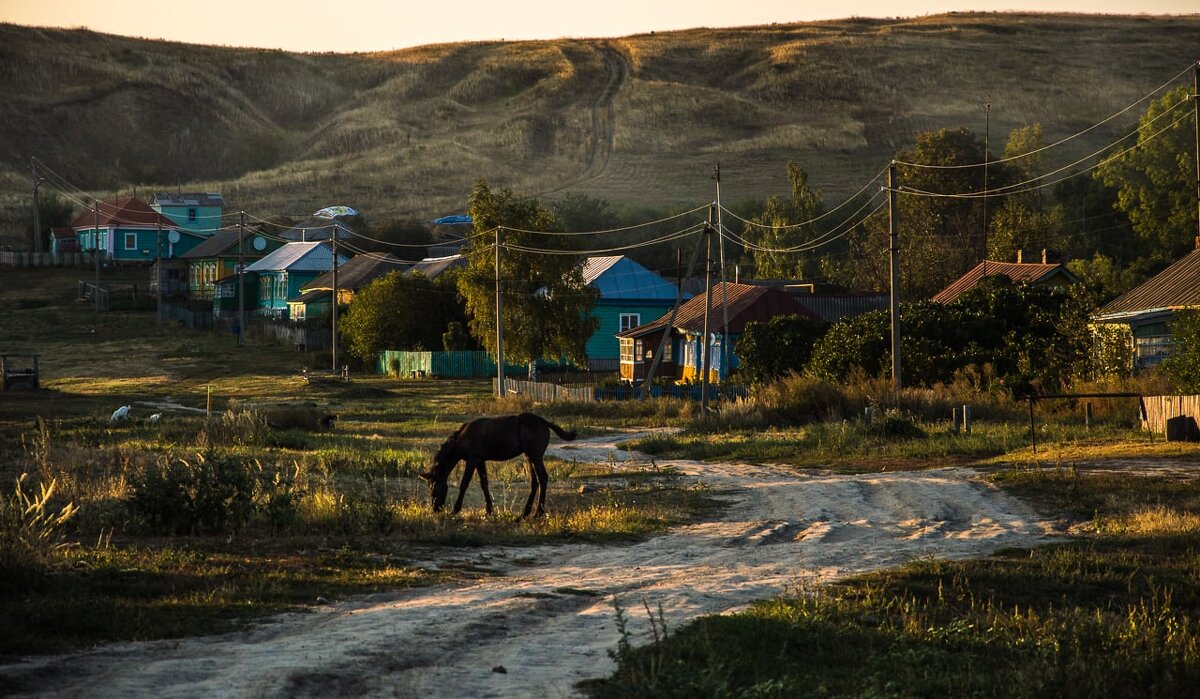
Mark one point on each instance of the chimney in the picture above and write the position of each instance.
(1019, 260)
(1198, 242)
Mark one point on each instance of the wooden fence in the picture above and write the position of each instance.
(547, 392)
(458, 365)
(47, 259)
(1156, 410)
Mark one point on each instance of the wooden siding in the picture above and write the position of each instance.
(1156, 410)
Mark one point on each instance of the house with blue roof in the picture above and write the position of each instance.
(629, 296)
(285, 271)
(198, 213)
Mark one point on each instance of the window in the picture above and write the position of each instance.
(130, 241)
(630, 320)
(191, 215)
(627, 350)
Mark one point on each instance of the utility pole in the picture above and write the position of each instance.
(96, 249)
(158, 272)
(37, 214)
(499, 325)
(724, 365)
(894, 264)
(705, 344)
(241, 279)
(1196, 118)
(987, 113)
(335, 294)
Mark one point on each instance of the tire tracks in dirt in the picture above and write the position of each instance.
(547, 620)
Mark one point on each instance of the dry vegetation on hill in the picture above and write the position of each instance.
(638, 120)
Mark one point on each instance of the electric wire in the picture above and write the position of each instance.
(810, 221)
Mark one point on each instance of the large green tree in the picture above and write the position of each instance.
(400, 312)
(783, 225)
(1156, 181)
(545, 302)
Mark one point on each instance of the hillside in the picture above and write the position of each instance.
(638, 120)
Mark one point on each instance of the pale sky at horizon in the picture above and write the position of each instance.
(378, 25)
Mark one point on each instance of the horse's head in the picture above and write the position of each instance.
(443, 463)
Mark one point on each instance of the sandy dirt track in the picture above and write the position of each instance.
(549, 619)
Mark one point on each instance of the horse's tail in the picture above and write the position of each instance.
(568, 435)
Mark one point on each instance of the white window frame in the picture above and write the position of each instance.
(624, 317)
(127, 237)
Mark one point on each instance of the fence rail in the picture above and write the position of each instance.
(1156, 410)
(47, 259)
(547, 392)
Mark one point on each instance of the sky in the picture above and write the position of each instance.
(380, 25)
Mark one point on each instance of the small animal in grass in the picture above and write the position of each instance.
(494, 439)
(121, 413)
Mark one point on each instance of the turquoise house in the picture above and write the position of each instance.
(126, 229)
(284, 272)
(629, 296)
(198, 213)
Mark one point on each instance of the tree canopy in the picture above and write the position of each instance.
(384, 314)
(545, 302)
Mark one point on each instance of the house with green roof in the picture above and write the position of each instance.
(196, 212)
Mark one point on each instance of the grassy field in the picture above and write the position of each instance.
(405, 133)
(192, 523)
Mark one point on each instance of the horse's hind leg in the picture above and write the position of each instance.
(483, 483)
(468, 471)
(543, 478)
(533, 488)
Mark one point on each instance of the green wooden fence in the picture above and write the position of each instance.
(459, 365)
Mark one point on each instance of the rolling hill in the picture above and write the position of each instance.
(639, 120)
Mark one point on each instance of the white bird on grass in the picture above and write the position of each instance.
(120, 413)
(155, 417)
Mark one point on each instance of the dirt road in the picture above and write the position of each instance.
(549, 620)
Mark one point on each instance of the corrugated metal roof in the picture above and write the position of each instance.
(124, 210)
(434, 267)
(359, 271)
(1177, 286)
(833, 307)
(1034, 273)
(189, 199)
(746, 303)
(298, 257)
(618, 277)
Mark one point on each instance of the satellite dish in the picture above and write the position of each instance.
(173, 237)
(260, 243)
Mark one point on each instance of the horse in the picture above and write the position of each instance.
(494, 439)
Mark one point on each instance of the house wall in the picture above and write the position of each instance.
(225, 300)
(692, 358)
(603, 343)
(276, 287)
(203, 275)
(207, 218)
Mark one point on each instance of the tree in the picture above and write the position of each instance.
(1182, 366)
(406, 238)
(1024, 221)
(383, 315)
(783, 344)
(778, 227)
(53, 212)
(545, 302)
(1156, 181)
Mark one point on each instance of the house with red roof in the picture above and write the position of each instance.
(1045, 273)
(683, 353)
(126, 229)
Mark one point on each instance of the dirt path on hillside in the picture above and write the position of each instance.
(548, 620)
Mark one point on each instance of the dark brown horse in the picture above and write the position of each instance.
(494, 439)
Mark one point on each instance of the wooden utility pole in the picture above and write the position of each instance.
(987, 126)
(96, 248)
(37, 214)
(723, 366)
(335, 295)
(1196, 119)
(499, 324)
(894, 265)
(158, 271)
(705, 345)
(241, 279)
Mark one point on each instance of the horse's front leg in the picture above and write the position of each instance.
(533, 488)
(543, 478)
(468, 471)
(483, 483)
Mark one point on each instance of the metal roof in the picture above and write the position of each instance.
(1177, 286)
(298, 257)
(188, 199)
(1034, 273)
(434, 267)
(618, 277)
(359, 271)
(746, 303)
(834, 307)
(129, 211)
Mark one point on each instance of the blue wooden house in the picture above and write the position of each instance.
(683, 355)
(284, 272)
(198, 213)
(629, 295)
(126, 229)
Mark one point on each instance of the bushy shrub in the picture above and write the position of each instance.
(212, 493)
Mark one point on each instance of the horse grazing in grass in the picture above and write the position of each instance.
(494, 439)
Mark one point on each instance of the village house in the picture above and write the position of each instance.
(314, 299)
(628, 294)
(282, 274)
(1139, 319)
(683, 353)
(130, 231)
(198, 213)
(218, 257)
(1043, 273)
